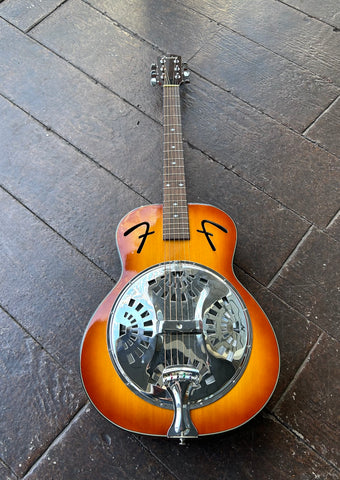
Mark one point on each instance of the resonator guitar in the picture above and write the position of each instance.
(178, 348)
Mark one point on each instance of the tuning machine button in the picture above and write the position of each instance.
(153, 75)
(186, 73)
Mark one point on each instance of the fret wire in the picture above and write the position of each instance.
(178, 164)
(167, 154)
(170, 210)
(173, 173)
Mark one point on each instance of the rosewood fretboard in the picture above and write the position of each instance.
(175, 209)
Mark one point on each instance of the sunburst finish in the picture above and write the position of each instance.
(158, 235)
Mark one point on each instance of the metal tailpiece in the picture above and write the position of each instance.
(180, 381)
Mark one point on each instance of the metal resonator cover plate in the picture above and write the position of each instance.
(177, 315)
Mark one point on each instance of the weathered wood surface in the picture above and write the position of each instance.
(80, 135)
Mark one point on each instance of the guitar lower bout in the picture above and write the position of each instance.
(178, 325)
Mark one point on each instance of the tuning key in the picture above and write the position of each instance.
(154, 75)
(186, 73)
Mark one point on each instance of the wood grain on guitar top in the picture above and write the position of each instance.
(212, 243)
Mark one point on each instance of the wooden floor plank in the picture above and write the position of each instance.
(327, 10)
(274, 85)
(282, 29)
(309, 281)
(106, 453)
(81, 144)
(24, 14)
(311, 404)
(47, 286)
(37, 396)
(64, 188)
(325, 130)
(169, 26)
(261, 450)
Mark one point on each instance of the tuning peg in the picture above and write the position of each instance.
(154, 75)
(186, 73)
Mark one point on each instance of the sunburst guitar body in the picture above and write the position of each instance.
(178, 348)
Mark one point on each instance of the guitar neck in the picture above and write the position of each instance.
(175, 209)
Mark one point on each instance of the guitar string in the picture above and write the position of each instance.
(174, 154)
(177, 160)
(177, 229)
(169, 190)
(186, 243)
(164, 208)
(172, 272)
(180, 179)
(172, 181)
(173, 280)
(181, 225)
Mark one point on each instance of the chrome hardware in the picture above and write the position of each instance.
(169, 68)
(180, 381)
(186, 73)
(154, 80)
(175, 318)
(182, 325)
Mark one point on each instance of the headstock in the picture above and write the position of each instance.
(169, 70)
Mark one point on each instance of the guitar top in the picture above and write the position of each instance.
(178, 348)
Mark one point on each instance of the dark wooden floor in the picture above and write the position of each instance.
(81, 146)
